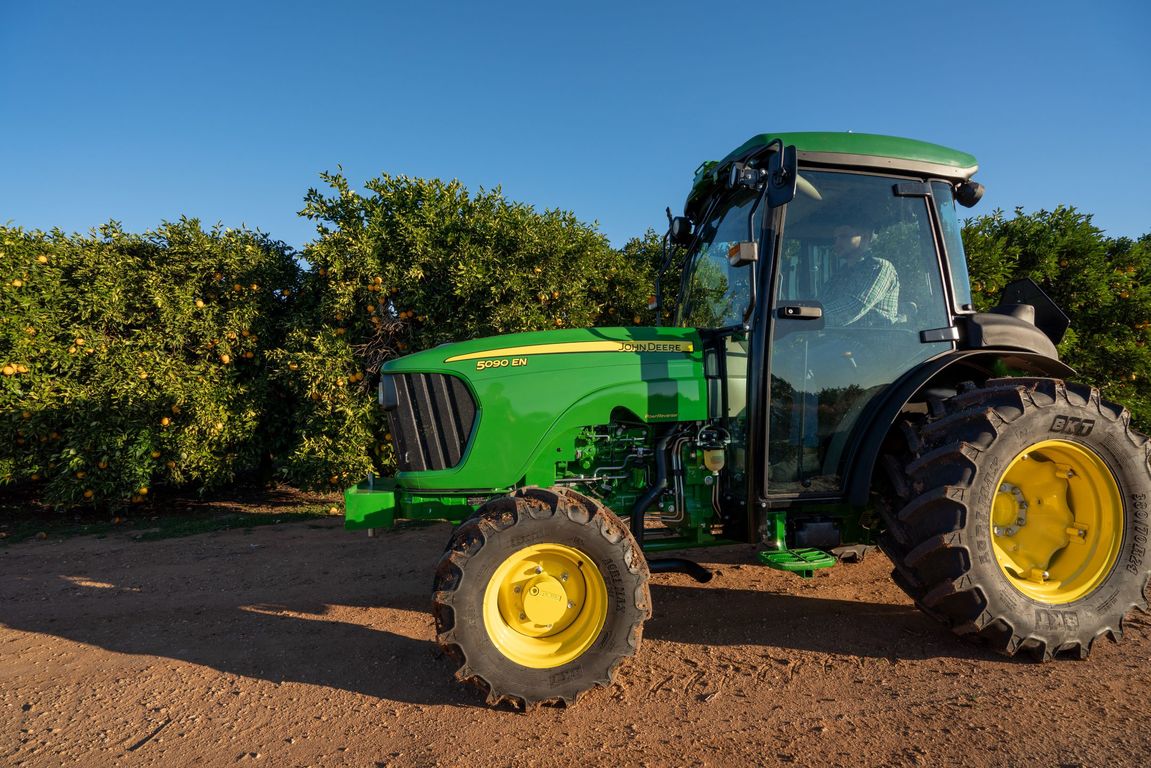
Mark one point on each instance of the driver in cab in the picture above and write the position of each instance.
(864, 292)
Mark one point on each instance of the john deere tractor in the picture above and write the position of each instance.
(827, 386)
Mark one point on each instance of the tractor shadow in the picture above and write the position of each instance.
(780, 611)
(731, 617)
(288, 604)
(367, 631)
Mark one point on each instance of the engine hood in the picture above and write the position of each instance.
(532, 389)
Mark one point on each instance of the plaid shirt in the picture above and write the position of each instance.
(864, 294)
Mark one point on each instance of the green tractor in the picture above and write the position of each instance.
(827, 386)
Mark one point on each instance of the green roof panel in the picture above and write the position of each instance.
(852, 149)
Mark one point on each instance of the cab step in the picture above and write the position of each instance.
(802, 562)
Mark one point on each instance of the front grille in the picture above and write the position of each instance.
(431, 417)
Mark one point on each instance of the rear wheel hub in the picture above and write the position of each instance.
(1057, 521)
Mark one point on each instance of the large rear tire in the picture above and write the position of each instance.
(1026, 519)
(540, 596)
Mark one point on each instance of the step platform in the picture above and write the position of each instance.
(802, 562)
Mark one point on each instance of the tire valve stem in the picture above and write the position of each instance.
(571, 604)
(564, 576)
(539, 569)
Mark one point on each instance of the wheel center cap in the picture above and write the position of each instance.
(545, 600)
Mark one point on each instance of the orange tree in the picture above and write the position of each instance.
(1102, 283)
(418, 262)
(135, 360)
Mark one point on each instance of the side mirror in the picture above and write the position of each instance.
(782, 176)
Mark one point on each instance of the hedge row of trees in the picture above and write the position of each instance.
(1102, 283)
(195, 359)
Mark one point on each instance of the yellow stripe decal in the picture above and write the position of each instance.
(580, 346)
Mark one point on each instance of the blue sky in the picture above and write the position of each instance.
(228, 111)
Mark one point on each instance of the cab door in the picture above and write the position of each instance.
(835, 343)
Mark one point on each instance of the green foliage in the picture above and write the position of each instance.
(415, 263)
(1101, 283)
(136, 360)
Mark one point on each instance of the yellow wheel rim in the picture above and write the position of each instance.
(545, 605)
(1057, 522)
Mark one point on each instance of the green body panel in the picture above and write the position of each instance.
(371, 504)
(536, 391)
(378, 502)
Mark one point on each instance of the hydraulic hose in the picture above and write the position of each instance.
(639, 509)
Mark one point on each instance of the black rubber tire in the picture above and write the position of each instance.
(939, 539)
(505, 525)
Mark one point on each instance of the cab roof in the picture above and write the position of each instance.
(847, 150)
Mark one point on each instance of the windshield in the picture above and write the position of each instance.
(715, 294)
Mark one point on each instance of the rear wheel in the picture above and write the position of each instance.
(540, 596)
(1025, 521)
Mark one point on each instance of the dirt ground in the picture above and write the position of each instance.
(302, 644)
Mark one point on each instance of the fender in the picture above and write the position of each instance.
(947, 370)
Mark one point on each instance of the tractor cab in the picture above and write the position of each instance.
(827, 274)
(861, 275)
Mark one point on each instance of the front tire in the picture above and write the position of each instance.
(540, 596)
(1026, 525)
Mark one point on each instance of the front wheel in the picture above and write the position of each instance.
(540, 596)
(1027, 519)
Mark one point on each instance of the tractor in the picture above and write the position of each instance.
(827, 386)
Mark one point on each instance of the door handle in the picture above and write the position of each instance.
(797, 312)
